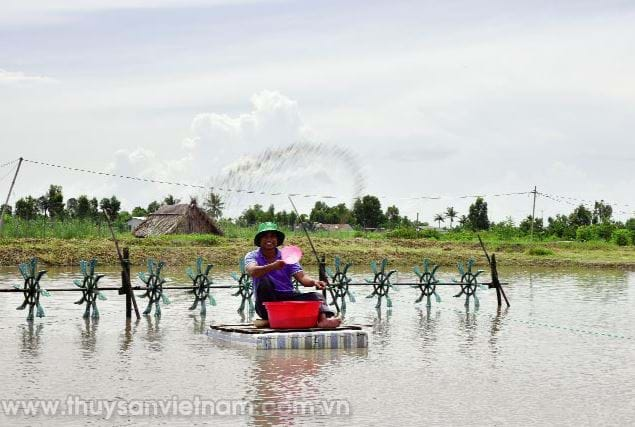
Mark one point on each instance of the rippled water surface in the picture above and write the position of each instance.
(562, 354)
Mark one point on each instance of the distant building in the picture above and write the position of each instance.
(332, 227)
(177, 219)
(134, 222)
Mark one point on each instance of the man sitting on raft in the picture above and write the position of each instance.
(272, 277)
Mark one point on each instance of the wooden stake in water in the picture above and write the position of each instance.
(494, 273)
(125, 274)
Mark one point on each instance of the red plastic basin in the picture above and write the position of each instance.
(292, 314)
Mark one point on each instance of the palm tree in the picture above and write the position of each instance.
(170, 200)
(439, 218)
(451, 214)
(214, 204)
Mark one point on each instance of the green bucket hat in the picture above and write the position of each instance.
(268, 226)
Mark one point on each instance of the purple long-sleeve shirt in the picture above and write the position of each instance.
(281, 278)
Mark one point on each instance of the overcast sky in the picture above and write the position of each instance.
(400, 99)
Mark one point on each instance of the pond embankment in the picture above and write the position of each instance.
(227, 251)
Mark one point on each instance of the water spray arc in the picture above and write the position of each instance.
(266, 173)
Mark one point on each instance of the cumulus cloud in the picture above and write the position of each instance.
(274, 120)
(258, 150)
(18, 77)
(146, 164)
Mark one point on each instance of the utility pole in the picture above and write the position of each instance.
(6, 203)
(533, 216)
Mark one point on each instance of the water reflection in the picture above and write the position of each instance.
(31, 339)
(495, 328)
(381, 327)
(246, 318)
(154, 335)
(287, 382)
(557, 347)
(127, 335)
(468, 325)
(427, 324)
(199, 323)
(88, 335)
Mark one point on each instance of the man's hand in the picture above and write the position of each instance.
(319, 284)
(277, 265)
(256, 271)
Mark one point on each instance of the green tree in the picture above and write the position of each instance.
(51, 204)
(7, 209)
(214, 205)
(477, 215)
(71, 207)
(367, 211)
(111, 206)
(392, 216)
(55, 201)
(170, 200)
(84, 207)
(26, 208)
(138, 211)
(252, 215)
(270, 215)
(282, 218)
(153, 207)
(580, 216)
(525, 225)
(292, 219)
(602, 212)
(320, 213)
(123, 216)
(560, 226)
(325, 214)
(451, 214)
(43, 205)
(439, 218)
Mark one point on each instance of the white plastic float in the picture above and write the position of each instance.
(247, 335)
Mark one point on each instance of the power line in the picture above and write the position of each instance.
(7, 174)
(557, 198)
(180, 184)
(572, 201)
(585, 200)
(204, 187)
(8, 163)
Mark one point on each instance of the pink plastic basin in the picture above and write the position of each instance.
(292, 314)
(291, 254)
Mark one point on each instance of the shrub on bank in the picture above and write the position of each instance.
(539, 251)
(622, 237)
(412, 233)
(586, 233)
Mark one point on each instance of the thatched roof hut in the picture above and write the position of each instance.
(177, 219)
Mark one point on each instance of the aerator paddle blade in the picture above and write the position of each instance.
(291, 254)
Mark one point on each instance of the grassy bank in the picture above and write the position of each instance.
(226, 251)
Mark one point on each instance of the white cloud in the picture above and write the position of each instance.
(146, 164)
(275, 120)
(234, 153)
(60, 11)
(18, 77)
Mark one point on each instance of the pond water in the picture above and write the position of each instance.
(562, 354)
